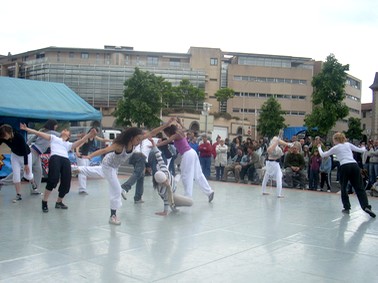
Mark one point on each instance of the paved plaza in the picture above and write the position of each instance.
(242, 236)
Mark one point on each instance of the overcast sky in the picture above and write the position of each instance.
(346, 28)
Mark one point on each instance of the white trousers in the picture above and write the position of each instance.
(17, 163)
(273, 172)
(111, 175)
(190, 171)
(81, 177)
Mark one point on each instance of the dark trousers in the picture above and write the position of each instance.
(138, 160)
(324, 178)
(59, 168)
(351, 172)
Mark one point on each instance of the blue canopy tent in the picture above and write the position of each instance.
(37, 100)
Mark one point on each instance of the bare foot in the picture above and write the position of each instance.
(163, 213)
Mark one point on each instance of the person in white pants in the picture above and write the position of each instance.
(272, 167)
(21, 157)
(190, 165)
(116, 154)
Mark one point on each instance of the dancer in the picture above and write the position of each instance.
(82, 151)
(349, 171)
(190, 165)
(273, 168)
(116, 154)
(21, 157)
(59, 163)
(165, 184)
(38, 146)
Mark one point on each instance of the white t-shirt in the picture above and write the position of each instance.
(145, 147)
(59, 146)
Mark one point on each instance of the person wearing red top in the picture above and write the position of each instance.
(205, 150)
(214, 145)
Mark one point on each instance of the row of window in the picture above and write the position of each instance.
(353, 83)
(273, 62)
(270, 80)
(253, 111)
(268, 95)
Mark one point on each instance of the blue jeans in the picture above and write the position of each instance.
(373, 172)
(205, 165)
(138, 160)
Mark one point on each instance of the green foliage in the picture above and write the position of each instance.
(142, 100)
(224, 94)
(354, 129)
(186, 94)
(224, 115)
(328, 96)
(271, 118)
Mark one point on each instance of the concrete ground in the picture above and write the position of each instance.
(242, 236)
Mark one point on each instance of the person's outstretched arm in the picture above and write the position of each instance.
(35, 132)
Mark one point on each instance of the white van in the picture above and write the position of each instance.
(110, 135)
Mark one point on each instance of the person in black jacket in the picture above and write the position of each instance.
(21, 157)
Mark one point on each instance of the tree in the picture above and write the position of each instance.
(142, 100)
(354, 129)
(328, 96)
(188, 94)
(271, 118)
(222, 96)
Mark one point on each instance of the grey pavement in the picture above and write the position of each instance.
(242, 236)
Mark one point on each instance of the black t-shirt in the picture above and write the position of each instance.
(18, 146)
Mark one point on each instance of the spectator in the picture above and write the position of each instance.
(294, 165)
(315, 162)
(220, 159)
(325, 170)
(250, 162)
(205, 151)
(235, 166)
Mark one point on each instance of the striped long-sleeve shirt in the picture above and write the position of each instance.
(163, 189)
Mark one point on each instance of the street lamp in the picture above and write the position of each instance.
(205, 112)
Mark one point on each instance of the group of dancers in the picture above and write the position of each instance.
(124, 146)
(121, 149)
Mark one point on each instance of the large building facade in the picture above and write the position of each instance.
(98, 76)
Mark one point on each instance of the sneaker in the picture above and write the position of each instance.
(17, 198)
(138, 201)
(61, 205)
(124, 194)
(368, 211)
(328, 191)
(44, 206)
(346, 211)
(75, 170)
(33, 189)
(83, 192)
(211, 197)
(114, 220)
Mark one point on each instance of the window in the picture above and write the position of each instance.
(40, 55)
(71, 55)
(173, 62)
(213, 61)
(152, 61)
(84, 55)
